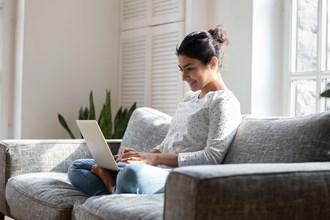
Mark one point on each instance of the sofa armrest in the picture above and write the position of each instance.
(245, 191)
(29, 156)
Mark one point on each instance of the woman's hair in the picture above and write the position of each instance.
(203, 45)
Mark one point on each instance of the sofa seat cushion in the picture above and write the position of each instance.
(45, 195)
(281, 140)
(123, 206)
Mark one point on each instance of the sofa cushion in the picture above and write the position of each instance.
(124, 206)
(282, 140)
(146, 129)
(41, 196)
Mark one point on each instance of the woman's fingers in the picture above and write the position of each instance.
(127, 149)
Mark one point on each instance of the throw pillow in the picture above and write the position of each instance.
(146, 129)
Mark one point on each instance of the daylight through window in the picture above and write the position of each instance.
(310, 56)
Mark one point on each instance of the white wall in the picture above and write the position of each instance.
(267, 66)
(68, 49)
(6, 87)
(253, 59)
(198, 15)
(236, 16)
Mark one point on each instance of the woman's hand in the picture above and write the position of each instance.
(154, 157)
(123, 151)
(132, 156)
(127, 149)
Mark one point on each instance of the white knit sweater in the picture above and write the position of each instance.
(202, 130)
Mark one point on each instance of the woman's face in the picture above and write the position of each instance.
(196, 74)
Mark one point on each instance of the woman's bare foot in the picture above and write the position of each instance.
(107, 178)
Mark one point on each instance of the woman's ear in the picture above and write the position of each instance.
(214, 63)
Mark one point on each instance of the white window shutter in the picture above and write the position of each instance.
(165, 11)
(166, 86)
(133, 67)
(149, 72)
(133, 13)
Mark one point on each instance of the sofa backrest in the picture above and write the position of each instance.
(281, 140)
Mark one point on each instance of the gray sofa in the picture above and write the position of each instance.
(275, 168)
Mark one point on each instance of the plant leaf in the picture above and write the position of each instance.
(85, 114)
(105, 119)
(91, 115)
(65, 125)
(81, 113)
(326, 93)
(117, 123)
(121, 121)
(132, 109)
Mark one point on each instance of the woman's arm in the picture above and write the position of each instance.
(167, 159)
(154, 151)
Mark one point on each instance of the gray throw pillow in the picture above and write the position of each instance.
(282, 140)
(146, 129)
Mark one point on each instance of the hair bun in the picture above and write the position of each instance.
(219, 34)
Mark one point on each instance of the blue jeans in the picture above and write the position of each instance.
(131, 178)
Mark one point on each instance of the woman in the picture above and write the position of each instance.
(200, 133)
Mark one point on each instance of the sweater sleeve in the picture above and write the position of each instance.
(160, 147)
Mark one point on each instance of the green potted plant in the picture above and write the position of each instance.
(326, 93)
(110, 130)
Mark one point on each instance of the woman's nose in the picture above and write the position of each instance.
(184, 76)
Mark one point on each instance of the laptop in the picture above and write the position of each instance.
(97, 144)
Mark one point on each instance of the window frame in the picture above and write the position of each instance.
(290, 65)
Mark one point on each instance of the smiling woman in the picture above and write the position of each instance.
(201, 129)
(200, 60)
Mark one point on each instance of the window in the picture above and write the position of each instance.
(309, 67)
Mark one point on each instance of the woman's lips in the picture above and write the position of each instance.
(192, 83)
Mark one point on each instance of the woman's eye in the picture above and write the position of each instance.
(186, 69)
